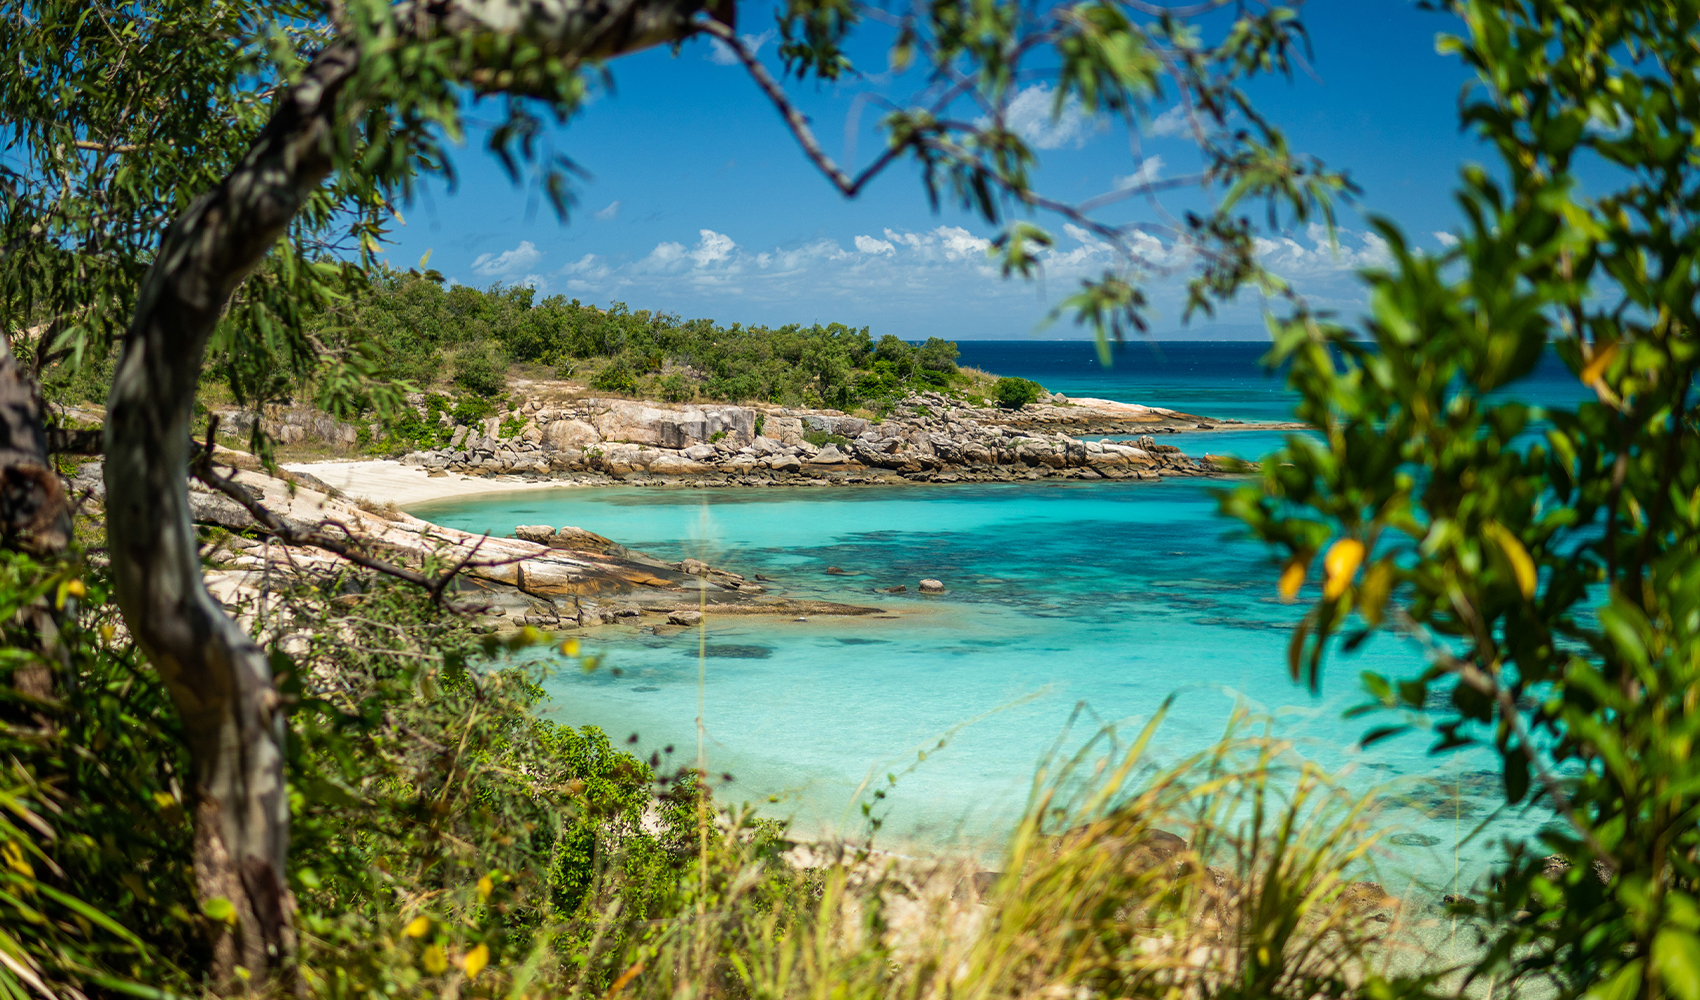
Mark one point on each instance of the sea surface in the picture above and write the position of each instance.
(1071, 606)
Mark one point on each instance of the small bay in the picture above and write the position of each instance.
(1090, 602)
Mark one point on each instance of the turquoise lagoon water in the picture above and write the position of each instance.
(1106, 597)
(1100, 599)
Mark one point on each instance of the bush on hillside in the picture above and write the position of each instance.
(614, 376)
(1014, 393)
(478, 372)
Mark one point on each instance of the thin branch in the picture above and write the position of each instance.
(795, 120)
(348, 548)
(103, 147)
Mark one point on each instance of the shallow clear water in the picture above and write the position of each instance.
(1110, 596)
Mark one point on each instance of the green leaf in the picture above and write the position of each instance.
(219, 909)
(1676, 956)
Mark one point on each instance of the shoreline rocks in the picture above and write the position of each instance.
(929, 437)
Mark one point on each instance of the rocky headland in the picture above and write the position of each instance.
(546, 577)
(928, 437)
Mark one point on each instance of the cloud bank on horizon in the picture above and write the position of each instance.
(941, 277)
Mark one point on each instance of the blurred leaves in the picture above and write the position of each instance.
(1545, 560)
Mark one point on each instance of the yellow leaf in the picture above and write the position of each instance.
(485, 888)
(569, 648)
(435, 960)
(76, 589)
(1522, 566)
(15, 860)
(1597, 365)
(418, 927)
(476, 959)
(1292, 578)
(1341, 565)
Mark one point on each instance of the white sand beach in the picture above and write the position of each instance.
(388, 481)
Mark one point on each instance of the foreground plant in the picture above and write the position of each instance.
(1546, 562)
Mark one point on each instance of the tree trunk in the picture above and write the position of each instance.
(35, 514)
(219, 679)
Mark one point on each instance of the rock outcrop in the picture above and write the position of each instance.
(555, 578)
(929, 437)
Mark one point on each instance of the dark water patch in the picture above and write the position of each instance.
(733, 651)
(1413, 839)
(859, 641)
(1245, 624)
(646, 689)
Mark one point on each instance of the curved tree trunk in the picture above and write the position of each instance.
(219, 679)
(35, 513)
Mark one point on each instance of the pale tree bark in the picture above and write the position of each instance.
(219, 679)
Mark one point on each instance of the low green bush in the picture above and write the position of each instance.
(676, 388)
(477, 371)
(1014, 393)
(614, 376)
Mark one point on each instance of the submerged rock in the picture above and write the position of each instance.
(931, 587)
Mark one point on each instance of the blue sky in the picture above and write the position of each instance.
(699, 202)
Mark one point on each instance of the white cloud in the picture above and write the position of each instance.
(941, 273)
(610, 212)
(1293, 260)
(1446, 240)
(1149, 170)
(510, 264)
(721, 54)
(711, 247)
(1029, 114)
(959, 243)
(1170, 124)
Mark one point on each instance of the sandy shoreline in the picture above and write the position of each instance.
(388, 481)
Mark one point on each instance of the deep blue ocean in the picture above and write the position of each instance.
(1097, 598)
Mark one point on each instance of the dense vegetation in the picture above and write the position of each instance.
(424, 333)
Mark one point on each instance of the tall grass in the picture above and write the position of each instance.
(1228, 874)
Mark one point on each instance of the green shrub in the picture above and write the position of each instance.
(1014, 393)
(938, 356)
(821, 439)
(677, 387)
(614, 376)
(471, 409)
(477, 372)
